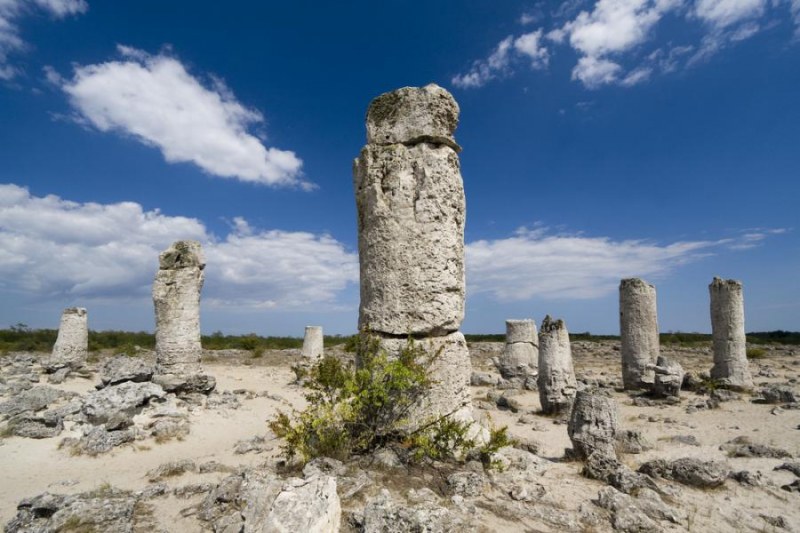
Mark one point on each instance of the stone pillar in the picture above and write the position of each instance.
(557, 383)
(313, 343)
(638, 325)
(520, 358)
(72, 343)
(727, 330)
(176, 296)
(593, 424)
(411, 213)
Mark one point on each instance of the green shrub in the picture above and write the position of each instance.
(756, 353)
(353, 411)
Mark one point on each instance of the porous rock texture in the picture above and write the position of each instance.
(593, 424)
(313, 342)
(72, 343)
(638, 324)
(557, 383)
(520, 357)
(727, 330)
(176, 296)
(668, 378)
(411, 215)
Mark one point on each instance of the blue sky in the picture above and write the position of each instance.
(651, 138)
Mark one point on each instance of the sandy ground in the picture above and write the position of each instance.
(29, 467)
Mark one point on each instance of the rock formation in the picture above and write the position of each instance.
(176, 295)
(727, 329)
(668, 378)
(557, 383)
(313, 342)
(411, 213)
(72, 343)
(638, 324)
(520, 358)
(593, 424)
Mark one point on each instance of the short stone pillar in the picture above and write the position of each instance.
(638, 324)
(520, 358)
(593, 424)
(313, 343)
(557, 383)
(727, 330)
(72, 343)
(176, 296)
(668, 378)
(411, 214)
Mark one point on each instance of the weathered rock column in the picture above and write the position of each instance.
(520, 358)
(176, 295)
(313, 342)
(638, 325)
(727, 331)
(72, 343)
(593, 424)
(557, 383)
(411, 213)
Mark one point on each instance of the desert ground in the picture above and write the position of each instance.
(210, 441)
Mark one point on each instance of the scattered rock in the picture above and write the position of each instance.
(171, 469)
(779, 394)
(793, 467)
(612, 472)
(688, 471)
(121, 368)
(637, 515)
(256, 444)
(484, 379)
(32, 400)
(631, 441)
(383, 515)
(35, 427)
(742, 446)
(593, 424)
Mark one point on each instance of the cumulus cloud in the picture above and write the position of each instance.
(537, 263)
(155, 100)
(10, 13)
(527, 46)
(725, 13)
(52, 247)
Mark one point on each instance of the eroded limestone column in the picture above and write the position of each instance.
(520, 358)
(727, 331)
(557, 383)
(411, 212)
(72, 343)
(313, 342)
(638, 325)
(176, 296)
(593, 424)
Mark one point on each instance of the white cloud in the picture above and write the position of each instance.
(593, 72)
(528, 46)
(724, 13)
(154, 99)
(538, 264)
(637, 76)
(10, 13)
(51, 247)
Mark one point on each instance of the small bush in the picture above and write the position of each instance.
(353, 411)
(498, 438)
(756, 353)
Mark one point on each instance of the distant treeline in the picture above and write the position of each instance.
(21, 338)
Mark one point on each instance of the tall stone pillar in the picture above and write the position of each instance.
(520, 358)
(313, 343)
(411, 213)
(727, 331)
(638, 325)
(176, 296)
(72, 343)
(557, 383)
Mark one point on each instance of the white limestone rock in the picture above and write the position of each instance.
(520, 357)
(411, 214)
(557, 383)
(176, 295)
(313, 342)
(72, 343)
(727, 330)
(411, 115)
(307, 506)
(638, 324)
(450, 372)
(592, 425)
